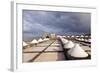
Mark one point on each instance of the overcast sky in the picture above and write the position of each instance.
(35, 23)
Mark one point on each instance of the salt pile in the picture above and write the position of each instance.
(34, 41)
(79, 39)
(40, 40)
(82, 39)
(81, 36)
(70, 44)
(77, 36)
(45, 39)
(24, 44)
(72, 36)
(64, 41)
(77, 52)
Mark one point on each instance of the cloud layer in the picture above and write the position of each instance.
(35, 23)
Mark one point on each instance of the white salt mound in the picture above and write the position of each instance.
(64, 41)
(45, 39)
(34, 41)
(82, 39)
(77, 51)
(79, 39)
(70, 44)
(40, 40)
(24, 44)
(61, 39)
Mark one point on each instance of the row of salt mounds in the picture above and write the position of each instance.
(81, 39)
(66, 43)
(40, 40)
(85, 40)
(77, 52)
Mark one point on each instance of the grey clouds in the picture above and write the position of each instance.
(35, 23)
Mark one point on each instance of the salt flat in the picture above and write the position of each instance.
(55, 56)
(48, 51)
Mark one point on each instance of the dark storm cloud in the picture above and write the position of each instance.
(37, 22)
